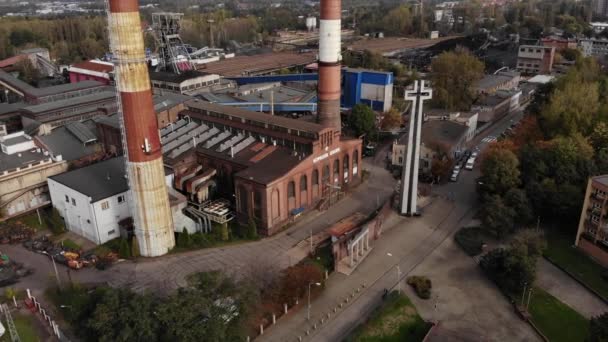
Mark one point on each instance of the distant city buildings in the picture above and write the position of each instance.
(592, 235)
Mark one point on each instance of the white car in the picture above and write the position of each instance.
(474, 155)
(470, 164)
(454, 176)
(457, 168)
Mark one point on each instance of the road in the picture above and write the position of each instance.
(413, 244)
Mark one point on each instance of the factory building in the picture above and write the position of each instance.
(373, 88)
(93, 70)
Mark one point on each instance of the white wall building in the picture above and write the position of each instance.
(92, 200)
(16, 143)
(593, 47)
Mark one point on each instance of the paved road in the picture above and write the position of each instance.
(417, 244)
(166, 273)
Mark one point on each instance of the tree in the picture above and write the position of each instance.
(599, 137)
(391, 120)
(598, 328)
(295, 280)
(398, 21)
(518, 201)
(124, 251)
(571, 54)
(252, 229)
(362, 119)
(453, 74)
(529, 243)
(497, 218)
(500, 172)
(571, 110)
(28, 72)
(510, 270)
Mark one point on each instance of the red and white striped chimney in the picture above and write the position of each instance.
(149, 198)
(329, 88)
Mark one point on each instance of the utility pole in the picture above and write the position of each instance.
(523, 294)
(529, 297)
(56, 273)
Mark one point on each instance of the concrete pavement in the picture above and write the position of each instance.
(568, 290)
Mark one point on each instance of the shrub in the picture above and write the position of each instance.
(422, 286)
(124, 251)
(469, 239)
(183, 239)
(55, 222)
(252, 227)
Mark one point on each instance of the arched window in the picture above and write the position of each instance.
(291, 189)
(325, 178)
(276, 206)
(345, 167)
(303, 183)
(257, 204)
(336, 171)
(243, 203)
(355, 163)
(315, 183)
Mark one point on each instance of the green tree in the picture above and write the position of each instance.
(497, 218)
(518, 201)
(453, 74)
(398, 21)
(124, 251)
(183, 239)
(500, 172)
(571, 54)
(599, 137)
(510, 269)
(529, 243)
(362, 119)
(252, 229)
(571, 110)
(598, 328)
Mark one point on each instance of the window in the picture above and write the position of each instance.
(105, 205)
(73, 201)
(303, 183)
(291, 189)
(111, 232)
(121, 199)
(67, 199)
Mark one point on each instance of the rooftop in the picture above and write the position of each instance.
(110, 120)
(493, 81)
(273, 166)
(93, 65)
(601, 179)
(46, 91)
(170, 77)
(258, 64)
(71, 102)
(22, 159)
(279, 121)
(447, 132)
(98, 181)
(6, 108)
(394, 44)
(168, 101)
(63, 142)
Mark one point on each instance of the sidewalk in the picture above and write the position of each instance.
(401, 239)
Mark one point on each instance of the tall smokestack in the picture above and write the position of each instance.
(329, 63)
(149, 199)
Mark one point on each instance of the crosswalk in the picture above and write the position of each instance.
(489, 139)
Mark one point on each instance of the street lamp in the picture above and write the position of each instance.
(398, 275)
(309, 285)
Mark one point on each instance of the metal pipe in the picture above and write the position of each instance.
(329, 86)
(150, 201)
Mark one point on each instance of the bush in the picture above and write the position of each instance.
(252, 229)
(124, 251)
(183, 239)
(55, 222)
(71, 245)
(422, 286)
(469, 239)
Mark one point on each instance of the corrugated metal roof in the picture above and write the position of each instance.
(81, 132)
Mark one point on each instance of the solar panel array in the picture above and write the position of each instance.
(179, 124)
(227, 144)
(218, 139)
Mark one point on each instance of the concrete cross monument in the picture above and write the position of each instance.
(409, 181)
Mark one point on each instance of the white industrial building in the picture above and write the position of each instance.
(92, 200)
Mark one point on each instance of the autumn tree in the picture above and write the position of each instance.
(391, 120)
(28, 72)
(453, 76)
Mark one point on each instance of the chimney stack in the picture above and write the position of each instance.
(329, 88)
(149, 199)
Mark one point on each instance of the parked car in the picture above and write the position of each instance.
(474, 155)
(470, 164)
(454, 176)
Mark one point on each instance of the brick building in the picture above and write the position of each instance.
(535, 59)
(592, 235)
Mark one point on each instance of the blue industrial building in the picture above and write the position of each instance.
(374, 88)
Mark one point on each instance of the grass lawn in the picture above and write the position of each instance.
(556, 320)
(71, 244)
(24, 327)
(561, 252)
(31, 220)
(395, 321)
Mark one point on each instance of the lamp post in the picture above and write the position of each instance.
(309, 286)
(398, 275)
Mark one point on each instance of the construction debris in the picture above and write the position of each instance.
(15, 233)
(61, 254)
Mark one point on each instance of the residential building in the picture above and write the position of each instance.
(437, 135)
(602, 7)
(92, 200)
(559, 43)
(535, 59)
(592, 235)
(490, 84)
(594, 47)
(494, 107)
(24, 168)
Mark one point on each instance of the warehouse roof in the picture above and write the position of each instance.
(258, 64)
(170, 77)
(601, 179)
(98, 181)
(443, 131)
(298, 125)
(63, 142)
(71, 102)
